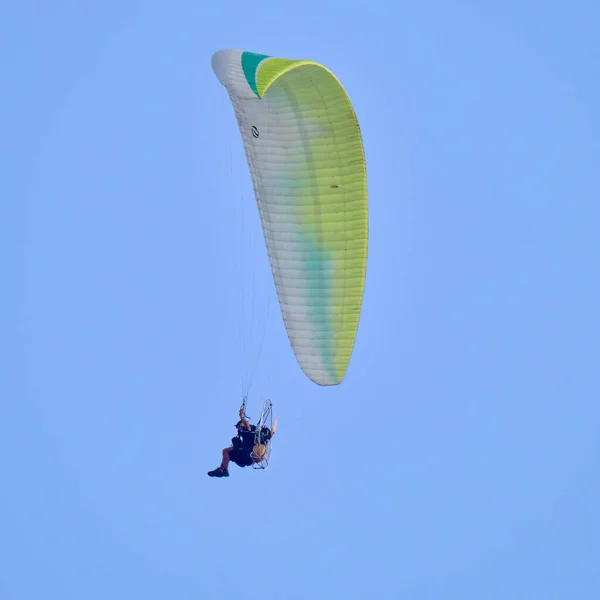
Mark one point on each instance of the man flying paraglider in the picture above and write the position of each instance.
(250, 447)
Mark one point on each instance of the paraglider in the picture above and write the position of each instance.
(305, 155)
(252, 444)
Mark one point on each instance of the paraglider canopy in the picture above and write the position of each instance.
(305, 155)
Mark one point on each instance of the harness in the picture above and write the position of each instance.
(257, 441)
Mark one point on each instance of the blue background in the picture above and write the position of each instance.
(458, 459)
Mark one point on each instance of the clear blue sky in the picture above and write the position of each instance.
(459, 460)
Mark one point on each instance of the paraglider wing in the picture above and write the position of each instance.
(305, 154)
